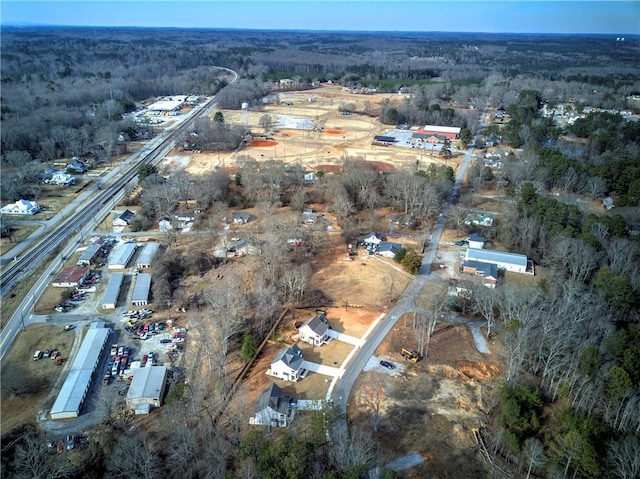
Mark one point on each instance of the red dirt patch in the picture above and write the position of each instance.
(263, 143)
(380, 166)
(329, 168)
(334, 132)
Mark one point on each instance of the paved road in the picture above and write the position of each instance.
(407, 303)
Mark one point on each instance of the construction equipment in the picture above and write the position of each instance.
(410, 355)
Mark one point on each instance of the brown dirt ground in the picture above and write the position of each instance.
(434, 406)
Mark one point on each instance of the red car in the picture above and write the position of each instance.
(144, 360)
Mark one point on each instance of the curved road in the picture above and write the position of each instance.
(406, 304)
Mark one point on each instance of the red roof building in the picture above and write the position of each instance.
(71, 277)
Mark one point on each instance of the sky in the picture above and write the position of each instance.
(493, 16)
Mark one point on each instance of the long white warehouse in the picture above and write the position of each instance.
(76, 385)
(141, 290)
(112, 293)
(514, 262)
(121, 256)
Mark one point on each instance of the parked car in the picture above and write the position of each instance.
(387, 364)
(47, 353)
(37, 355)
(143, 361)
(165, 341)
(69, 327)
(71, 442)
(54, 354)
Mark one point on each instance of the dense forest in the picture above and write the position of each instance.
(571, 395)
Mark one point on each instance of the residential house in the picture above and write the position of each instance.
(487, 271)
(240, 218)
(371, 239)
(123, 219)
(287, 365)
(493, 140)
(383, 140)
(251, 246)
(21, 207)
(309, 217)
(483, 219)
(76, 166)
(315, 330)
(164, 225)
(403, 220)
(388, 249)
(62, 179)
(310, 178)
(273, 408)
(476, 241)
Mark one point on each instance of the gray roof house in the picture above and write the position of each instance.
(240, 218)
(315, 330)
(517, 263)
(123, 219)
(287, 365)
(388, 249)
(476, 241)
(274, 408)
(309, 217)
(251, 246)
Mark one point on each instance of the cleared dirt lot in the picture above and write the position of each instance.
(434, 406)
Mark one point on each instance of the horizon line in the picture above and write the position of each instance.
(315, 30)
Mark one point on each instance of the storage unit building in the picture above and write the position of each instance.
(112, 293)
(141, 290)
(88, 255)
(71, 277)
(147, 389)
(121, 255)
(74, 390)
(146, 255)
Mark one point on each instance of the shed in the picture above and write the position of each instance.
(147, 254)
(141, 290)
(146, 389)
(112, 293)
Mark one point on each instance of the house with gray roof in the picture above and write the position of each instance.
(287, 365)
(388, 249)
(487, 271)
(315, 330)
(273, 408)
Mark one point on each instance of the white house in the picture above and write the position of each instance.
(287, 365)
(517, 263)
(251, 246)
(21, 207)
(310, 178)
(164, 225)
(309, 217)
(240, 218)
(62, 179)
(123, 219)
(476, 241)
(274, 408)
(315, 330)
(388, 249)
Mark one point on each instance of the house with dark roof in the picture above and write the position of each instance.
(371, 239)
(476, 241)
(382, 140)
(123, 219)
(240, 218)
(309, 217)
(487, 271)
(388, 249)
(76, 166)
(287, 365)
(315, 330)
(273, 408)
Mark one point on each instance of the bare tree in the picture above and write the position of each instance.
(534, 452)
(33, 459)
(624, 457)
(293, 282)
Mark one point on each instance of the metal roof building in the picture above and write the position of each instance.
(509, 261)
(147, 388)
(112, 293)
(76, 385)
(88, 255)
(141, 290)
(121, 256)
(147, 254)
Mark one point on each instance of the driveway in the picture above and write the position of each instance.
(322, 369)
(345, 338)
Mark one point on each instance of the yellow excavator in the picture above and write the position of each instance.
(410, 355)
